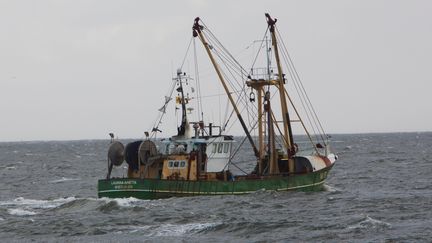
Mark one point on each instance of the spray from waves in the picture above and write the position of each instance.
(329, 188)
(332, 191)
(114, 204)
(122, 202)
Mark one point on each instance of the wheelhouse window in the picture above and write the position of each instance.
(226, 147)
(214, 148)
(177, 164)
(220, 147)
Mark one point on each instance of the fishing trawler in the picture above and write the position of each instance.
(197, 160)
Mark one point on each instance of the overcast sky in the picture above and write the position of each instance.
(80, 69)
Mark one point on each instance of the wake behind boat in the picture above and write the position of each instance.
(197, 160)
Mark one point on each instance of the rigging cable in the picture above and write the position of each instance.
(227, 59)
(259, 50)
(187, 51)
(198, 84)
(224, 54)
(229, 65)
(304, 90)
(239, 146)
(159, 118)
(168, 97)
(300, 93)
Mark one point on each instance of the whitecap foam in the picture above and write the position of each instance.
(63, 179)
(369, 222)
(89, 154)
(122, 202)
(37, 204)
(328, 188)
(172, 229)
(375, 222)
(10, 167)
(20, 212)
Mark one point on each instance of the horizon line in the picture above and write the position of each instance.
(96, 139)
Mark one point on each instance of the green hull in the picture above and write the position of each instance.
(156, 189)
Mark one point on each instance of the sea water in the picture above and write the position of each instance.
(380, 190)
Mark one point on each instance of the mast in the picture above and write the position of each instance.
(288, 137)
(181, 131)
(260, 131)
(197, 32)
(273, 157)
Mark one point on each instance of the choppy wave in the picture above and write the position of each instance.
(49, 204)
(88, 154)
(27, 207)
(35, 203)
(20, 212)
(122, 202)
(8, 167)
(63, 179)
(329, 188)
(370, 223)
(370, 195)
(24, 206)
(170, 229)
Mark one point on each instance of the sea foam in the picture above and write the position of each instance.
(37, 204)
(63, 179)
(20, 212)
